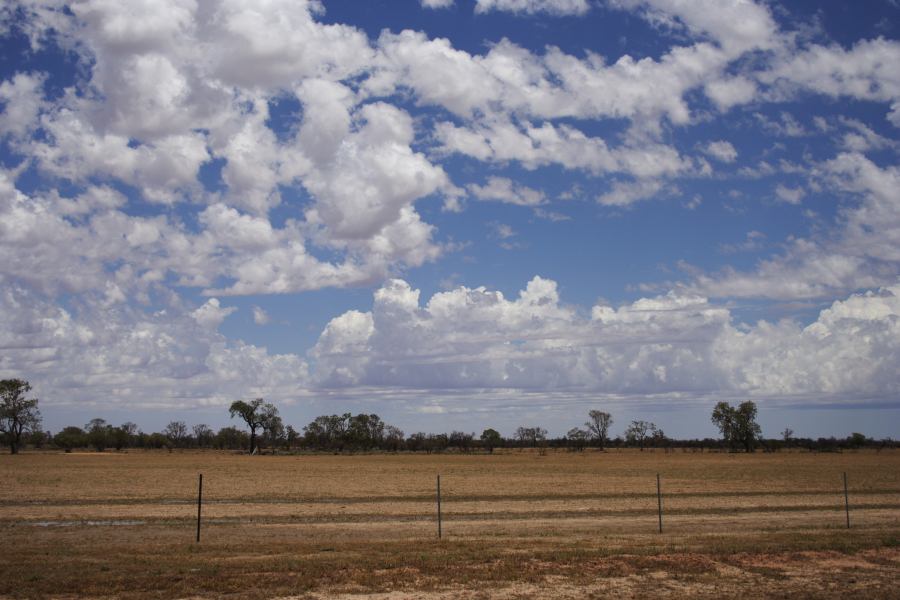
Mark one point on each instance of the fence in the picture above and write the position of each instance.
(439, 515)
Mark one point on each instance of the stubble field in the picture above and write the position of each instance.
(516, 524)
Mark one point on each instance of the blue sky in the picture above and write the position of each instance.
(456, 214)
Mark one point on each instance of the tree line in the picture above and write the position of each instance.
(262, 429)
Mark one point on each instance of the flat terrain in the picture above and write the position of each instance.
(515, 525)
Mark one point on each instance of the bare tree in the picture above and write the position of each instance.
(639, 431)
(393, 438)
(531, 435)
(177, 433)
(203, 435)
(17, 414)
(577, 438)
(598, 426)
(787, 435)
(461, 440)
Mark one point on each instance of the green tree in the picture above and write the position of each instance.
(98, 434)
(118, 437)
(737, 425)
(231, 438)
(69, 438)
(17, 413)
(490, 439)
(365, 431)
(857, 440)
(256, 414)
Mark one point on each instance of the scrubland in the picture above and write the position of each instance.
(516, 524)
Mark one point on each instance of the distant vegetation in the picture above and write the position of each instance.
(264, 430)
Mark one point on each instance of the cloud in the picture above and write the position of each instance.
(534, 147)
(260, 316)
(502, 189)
(531, 7)
(211, 314)
(162, 175)
(22, 99)
(858, 252)
(462, 339)
(753, 242)
(437, 3)
(511, 79)
(675, 343)
(722, 151)
(788, 194)
(737, 26)
(624, 193)
(170, 358)
(863, 72)
(731, 91)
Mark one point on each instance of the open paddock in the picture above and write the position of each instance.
(515, 524)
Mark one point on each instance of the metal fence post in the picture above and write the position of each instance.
(199, 504)
(659, 502)
(846, 500)
(439, 505)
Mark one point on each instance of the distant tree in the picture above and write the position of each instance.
(131, 432)
(461, 441)
(436, 442)
(365, 431)
(17, 413)
(254, 413)
(416, 442)
(328, 432)
(531, 435)
(598, 426)
(70, 438)
(177, 432)
(272, 427)
(490, 439)
(737, 425)
(98, 434)
(231, 438)
(787, 435)
(291, 436)
(659, 437)
(639, 431)
(118, 438)
(577, 438)
(857, 440)
(393, 438)
(38, 438)
(203, 435)
(158, 440)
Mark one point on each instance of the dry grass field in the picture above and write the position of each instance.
(515, 524)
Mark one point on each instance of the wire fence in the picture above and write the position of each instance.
(820, 506)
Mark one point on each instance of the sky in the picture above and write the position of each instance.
(456, 214)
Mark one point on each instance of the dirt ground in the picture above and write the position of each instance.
(514, 525)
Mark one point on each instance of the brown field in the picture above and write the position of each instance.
(515, 524)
